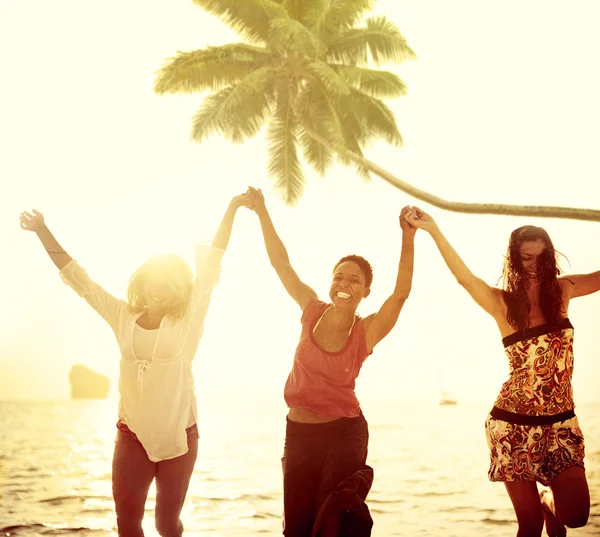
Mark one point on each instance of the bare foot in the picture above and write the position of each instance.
(554, 527)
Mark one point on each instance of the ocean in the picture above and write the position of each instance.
(430, 467)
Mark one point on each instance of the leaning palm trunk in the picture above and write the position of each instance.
(458, 206)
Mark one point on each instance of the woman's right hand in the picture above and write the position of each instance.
(32, 222)
(244, 200)
(420, 219)
(258, 199)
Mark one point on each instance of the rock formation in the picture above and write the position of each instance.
(87, 384)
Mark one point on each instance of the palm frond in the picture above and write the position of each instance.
(382, 84)
(360, 170)
(209, 118)
(332, 16)
(257, 83)
(319, 157)
(318, 111)
(355, 137)
(356, 134)
(247, 119)
(374, 116)
(284, 164)
(250, 18)
(313, 115)
(296, 9)
(210, 69)
(289, 35)
(328, 77)
(238, 111)
(380, 37)
(348, 124)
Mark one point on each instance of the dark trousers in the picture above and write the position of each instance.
(316, 458)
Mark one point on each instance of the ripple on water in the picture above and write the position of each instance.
(429, 482)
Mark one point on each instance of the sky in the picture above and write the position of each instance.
(502, 107)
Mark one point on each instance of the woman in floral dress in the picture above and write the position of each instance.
(532, 431)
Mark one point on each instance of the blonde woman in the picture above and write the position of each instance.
(158, 330)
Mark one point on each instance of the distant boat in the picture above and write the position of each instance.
(445, 399)
(87, 384)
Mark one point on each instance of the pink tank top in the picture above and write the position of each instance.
(324, 381)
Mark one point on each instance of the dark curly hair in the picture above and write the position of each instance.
(516, 283)
(363, 264)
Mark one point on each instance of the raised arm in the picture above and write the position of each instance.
(379, 325)
(72, 274)
(35, 222)
(278, 255)
(208, 258)
(489, 298)
(582, 284)
(223, 234)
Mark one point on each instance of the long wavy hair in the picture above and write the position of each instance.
(174, 271)
(516, 281)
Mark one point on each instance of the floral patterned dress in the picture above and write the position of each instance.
(532, 431)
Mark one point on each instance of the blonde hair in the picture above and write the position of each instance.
(174, 271)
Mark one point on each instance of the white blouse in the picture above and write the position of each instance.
(156, 394)
(144, 342)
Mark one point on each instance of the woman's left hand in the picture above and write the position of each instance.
(244, 200)
(405, 225)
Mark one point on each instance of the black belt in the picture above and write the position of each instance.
(523, 419)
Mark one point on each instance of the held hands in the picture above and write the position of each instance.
(32, 222)
(419, 219)
(407, 227)
(252, 199)
(244, 200)
(258, 200)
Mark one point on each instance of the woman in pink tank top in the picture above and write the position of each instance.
(325, 476)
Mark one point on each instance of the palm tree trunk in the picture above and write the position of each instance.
(461, 207)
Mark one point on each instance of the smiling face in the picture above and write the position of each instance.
(158, 295)
(531, 259)
(162, 285)
(530, 252)
(348, 286)
(530, 255)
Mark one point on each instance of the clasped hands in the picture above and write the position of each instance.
(252, 199)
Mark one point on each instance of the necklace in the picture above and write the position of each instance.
(323, 315)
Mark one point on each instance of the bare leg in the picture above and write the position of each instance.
(554, 527)
(132, 475)
(567, 503)
(172, 481)
(528, 508)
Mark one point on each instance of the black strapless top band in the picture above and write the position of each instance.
(535, 331)
(523, 419)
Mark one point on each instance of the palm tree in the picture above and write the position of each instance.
(303, 67)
